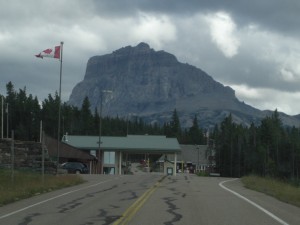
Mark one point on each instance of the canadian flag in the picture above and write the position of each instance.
(50, 52)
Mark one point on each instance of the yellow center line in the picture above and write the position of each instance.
(137, 205)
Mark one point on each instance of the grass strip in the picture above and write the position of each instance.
(281, 190)
(26, 184)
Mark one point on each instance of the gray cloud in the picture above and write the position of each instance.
(259, 58)
(276, 15)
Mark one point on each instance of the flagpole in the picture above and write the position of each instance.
(2, 118)
(59, 107)
(7, 120)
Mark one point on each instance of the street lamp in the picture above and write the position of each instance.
(100, 126)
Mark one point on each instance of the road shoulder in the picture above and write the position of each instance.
(287, 212)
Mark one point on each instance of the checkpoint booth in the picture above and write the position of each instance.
(114, 154)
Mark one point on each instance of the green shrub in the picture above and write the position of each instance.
(202, 174)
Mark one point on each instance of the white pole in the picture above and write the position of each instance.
(59, 107)
(6, 120)
(175, 164)
(41, 129)
(100, 131)
(12, 156)
(43, 156)
(2, 118)
(99, 170)
(120, 163)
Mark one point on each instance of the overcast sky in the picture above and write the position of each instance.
(251, 46)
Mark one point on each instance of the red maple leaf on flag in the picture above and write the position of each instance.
(48, 51)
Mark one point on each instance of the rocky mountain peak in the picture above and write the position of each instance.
(151, 84)
(141, 48)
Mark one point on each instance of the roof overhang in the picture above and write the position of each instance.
(129, 144)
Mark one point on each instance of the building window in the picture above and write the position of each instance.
(109, 157)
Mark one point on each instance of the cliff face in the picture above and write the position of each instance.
(151, 84)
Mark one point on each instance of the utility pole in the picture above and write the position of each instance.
(12, 156)
(6, 120)
(2, 125)
(100, 128)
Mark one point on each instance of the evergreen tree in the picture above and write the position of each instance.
(50, 114)
(10, 102)
(175, 128)
(33, 119)
(226, 147)
(271, 134)
(70, 118)
(96, 122)
(86, 119)
(195, 133)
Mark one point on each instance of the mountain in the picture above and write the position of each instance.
(151, 84)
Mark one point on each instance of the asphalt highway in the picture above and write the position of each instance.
(151, 199)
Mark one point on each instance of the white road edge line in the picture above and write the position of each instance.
(251, 202)
(55, 197)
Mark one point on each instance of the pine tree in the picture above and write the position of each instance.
(195, 133)
(86, 119)
(50, 114)
(175, 127)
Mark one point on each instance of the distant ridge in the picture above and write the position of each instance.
(151, 84)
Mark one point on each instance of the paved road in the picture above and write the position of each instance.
(151, 199)
(189, 199)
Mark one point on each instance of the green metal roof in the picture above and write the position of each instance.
(130, 143)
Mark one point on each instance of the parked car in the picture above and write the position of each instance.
(75, 167)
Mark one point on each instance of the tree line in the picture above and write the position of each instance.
(269, 149)
(25, 114)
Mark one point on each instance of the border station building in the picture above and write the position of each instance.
(115, 154)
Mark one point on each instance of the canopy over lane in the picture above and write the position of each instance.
(130, 143)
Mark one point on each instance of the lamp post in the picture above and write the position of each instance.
(100, 126)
